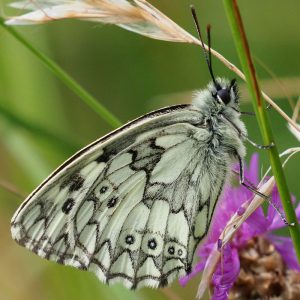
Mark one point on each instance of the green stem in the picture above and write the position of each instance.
(67, 79)
(243, 50)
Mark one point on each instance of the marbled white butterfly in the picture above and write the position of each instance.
(133, 206)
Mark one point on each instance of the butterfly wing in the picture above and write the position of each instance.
(130, 207)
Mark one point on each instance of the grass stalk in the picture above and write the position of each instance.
(86, 97)
(241, 43)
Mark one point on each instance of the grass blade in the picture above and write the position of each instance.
(241, 43)
(87, 98)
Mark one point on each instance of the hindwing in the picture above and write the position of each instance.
(132, 206)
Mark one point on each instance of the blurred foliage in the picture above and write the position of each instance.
(42, 122)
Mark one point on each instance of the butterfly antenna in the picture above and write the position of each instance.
(209, 51)
(207, 54)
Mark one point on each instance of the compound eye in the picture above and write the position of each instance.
(224, 95)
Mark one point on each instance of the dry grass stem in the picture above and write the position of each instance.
(295, 117)
(11, 188)
(137, 15)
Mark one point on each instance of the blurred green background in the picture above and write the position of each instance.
(130, 75)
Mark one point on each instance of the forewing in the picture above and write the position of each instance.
(130, 207)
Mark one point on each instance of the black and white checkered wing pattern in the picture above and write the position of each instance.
(131, 207)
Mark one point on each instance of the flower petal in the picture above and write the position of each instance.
(226, 273)
(196, 270)
(252, 170)
(273, 216)
(284, 246)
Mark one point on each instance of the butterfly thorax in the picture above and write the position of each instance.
(221, 116)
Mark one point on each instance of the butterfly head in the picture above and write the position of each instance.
(224, 92)
(220, 95)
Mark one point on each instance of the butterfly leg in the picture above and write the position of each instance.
(241, 134)
(251, 113)
(262, 147)
(250, 187)
(254, 190)
(247, 113)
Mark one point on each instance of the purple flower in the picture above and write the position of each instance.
(258, 224)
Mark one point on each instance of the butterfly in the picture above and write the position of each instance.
(133, 206)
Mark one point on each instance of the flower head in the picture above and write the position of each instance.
(255, 256)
